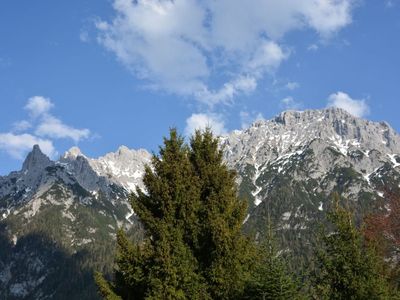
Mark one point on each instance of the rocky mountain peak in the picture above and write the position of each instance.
(292, 117)
(294, 131)
(287, 168)
(123, 150)
(36, 159)
(125, 166)
(72, 153)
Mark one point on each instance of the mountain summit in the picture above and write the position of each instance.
(294, 130)
(290, 165)
(36, 160)
(74, 152)
(287, 169)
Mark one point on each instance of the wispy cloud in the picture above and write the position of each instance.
(181, 46)
(84, 36)
(48, 125)
(289, 103)
(52, 127)
(38, 106)
(357, 107)
(244, 85)
(247, 118)
(292, 85)
(313, 47)
(40, 128)
(16, 145)
(21, 126)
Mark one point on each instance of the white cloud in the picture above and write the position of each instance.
(38, 106)
(268, 56)
(49, 126)
(84, 36)
(17, 145)
(158, 41)
(327, 16)
(181, 46)
(247, 118)
(292, 85)
(41, 128)
(289, 103)
(358, 108)
(230, 89)
(21, 126)
(202, 121)
(313, 47)
(54, 128)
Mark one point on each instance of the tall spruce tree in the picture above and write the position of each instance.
(349, 268)
(223, 252)
(162, 266)
(194, 247)
(271, 279)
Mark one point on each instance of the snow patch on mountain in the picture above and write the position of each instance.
(284, 141)
(124, 167)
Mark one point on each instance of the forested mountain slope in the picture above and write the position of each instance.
(58, 219)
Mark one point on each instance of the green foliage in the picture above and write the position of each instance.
(223, 253)
(349, 268)
(104, 288)
(194, 247)
(271, 279)
(63, 242)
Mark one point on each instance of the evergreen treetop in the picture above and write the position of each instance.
(194, 247)
(270, 278)
(349, 268)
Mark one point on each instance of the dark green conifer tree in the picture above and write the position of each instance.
(194, 247)
(349, 268)
(271, 279)
(162, 266)
(224, 253)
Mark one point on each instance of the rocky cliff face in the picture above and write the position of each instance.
(115, 175)
(323, 140)
(289, 166)
(60, 218)
(289, 133)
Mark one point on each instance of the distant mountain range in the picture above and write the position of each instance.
(58, 219)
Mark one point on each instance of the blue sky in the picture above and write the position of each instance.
(100, 74)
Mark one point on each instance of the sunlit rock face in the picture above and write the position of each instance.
(59, 218)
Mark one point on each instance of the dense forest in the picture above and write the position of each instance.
(194, 247)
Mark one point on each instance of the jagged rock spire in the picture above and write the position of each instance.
(36, 159)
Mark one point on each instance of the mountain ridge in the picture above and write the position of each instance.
(287, 169)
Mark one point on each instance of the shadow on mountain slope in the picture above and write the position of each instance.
(37, 268)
